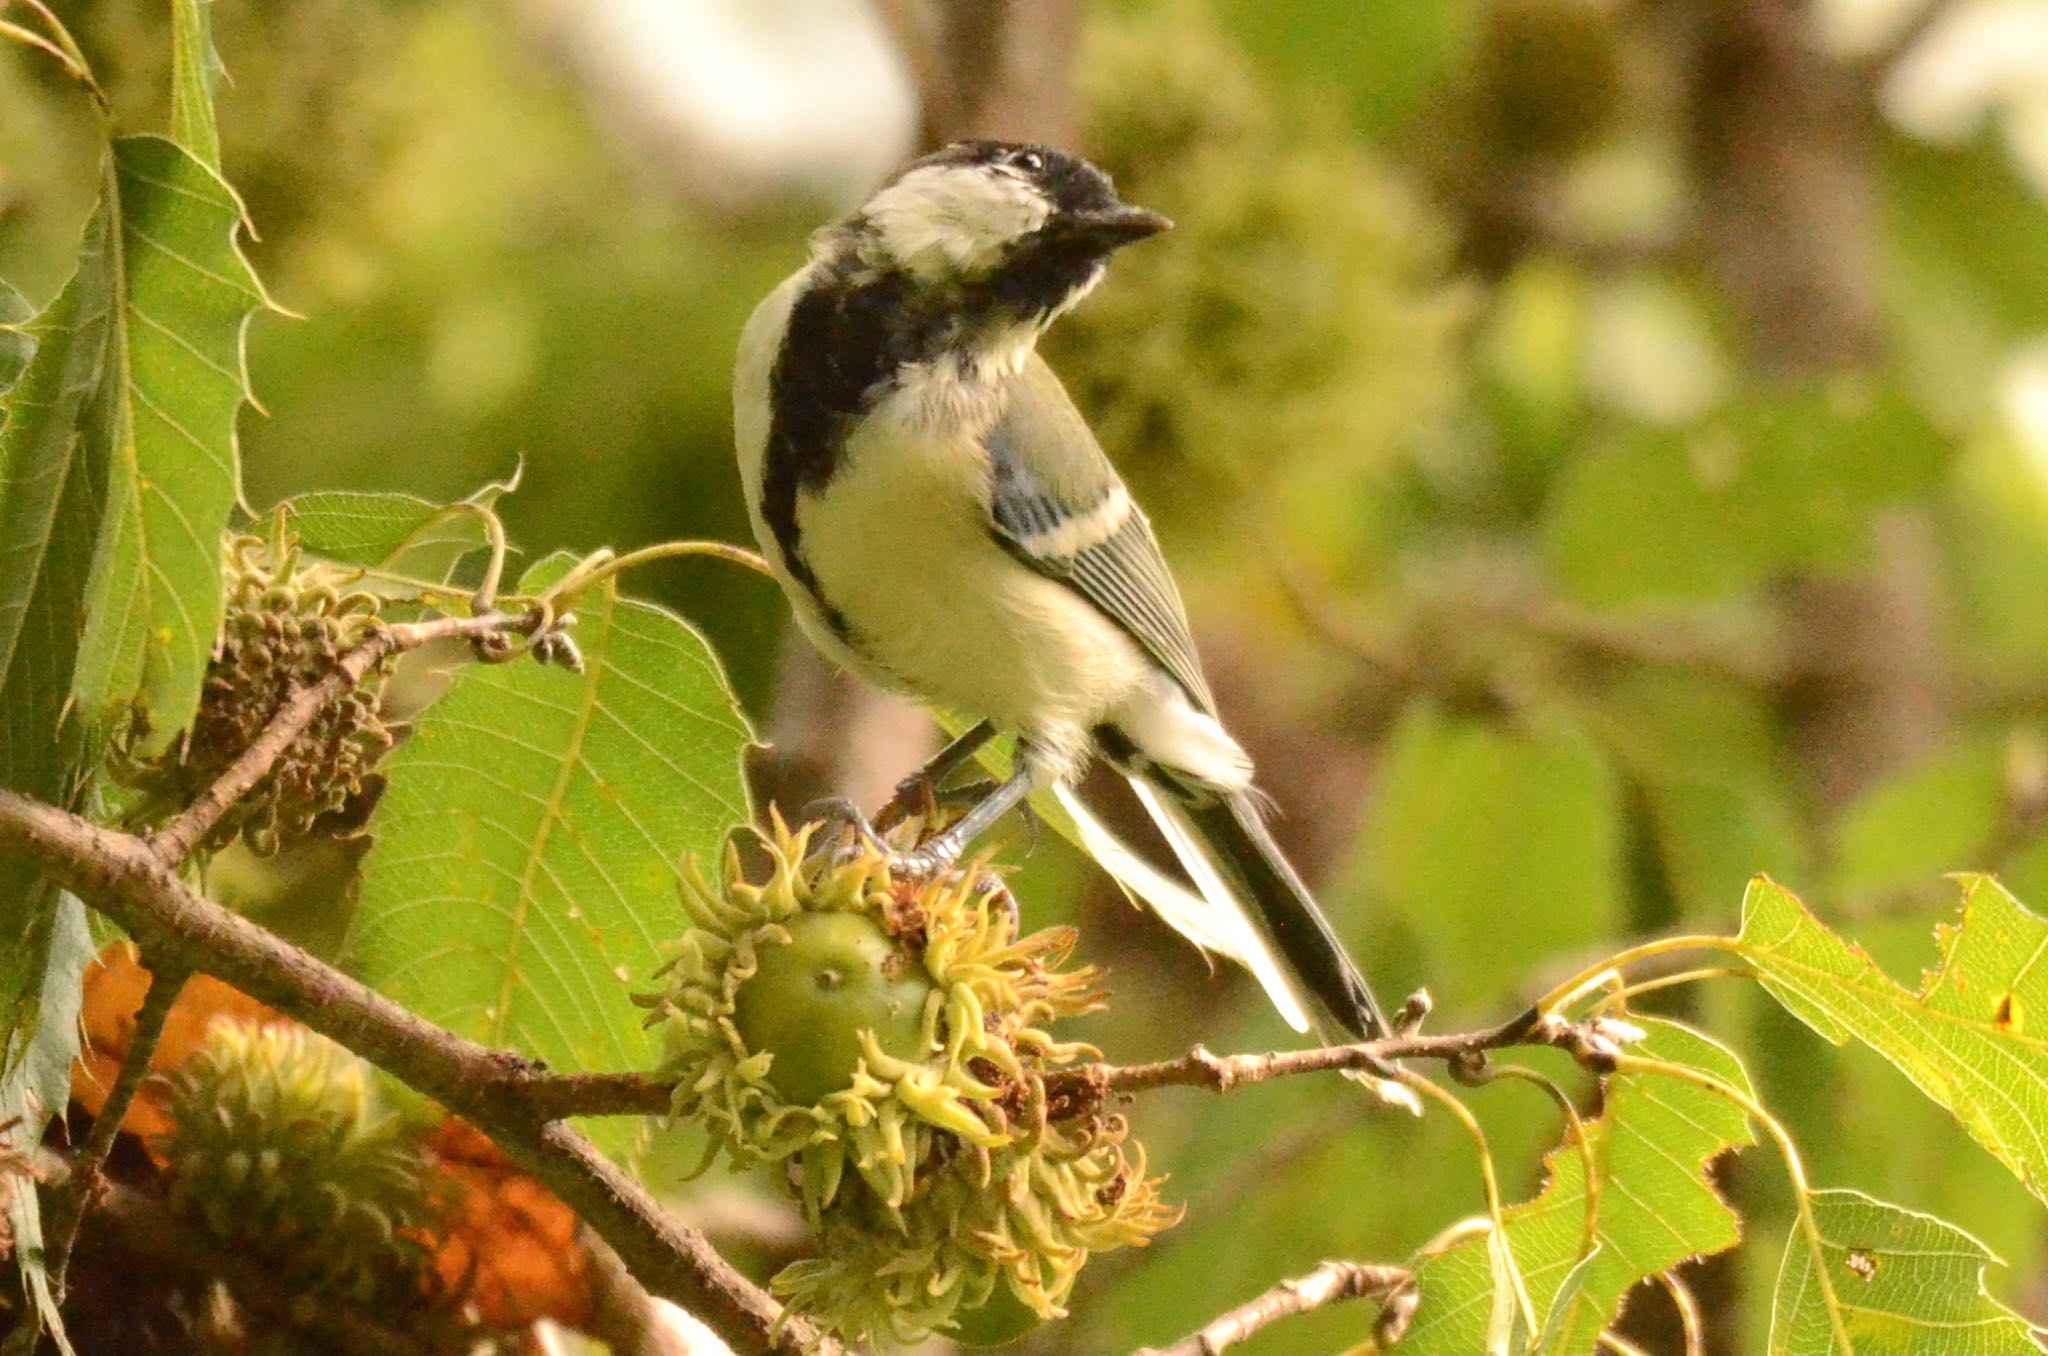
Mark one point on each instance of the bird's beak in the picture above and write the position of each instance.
(1111, 228)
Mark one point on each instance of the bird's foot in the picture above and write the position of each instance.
(836, 816)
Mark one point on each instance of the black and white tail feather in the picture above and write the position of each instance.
(1247, 904)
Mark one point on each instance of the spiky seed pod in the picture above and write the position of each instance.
(1298, 318)
(887, 1042)
(1013, 1224)
(278, 1147)
(286, 625)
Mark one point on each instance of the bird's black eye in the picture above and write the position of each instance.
(1031, 162)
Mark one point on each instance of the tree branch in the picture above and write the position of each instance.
(175, 841)
(1076, 1090)
(166, 982)
(1327, 1284)
(128, 881)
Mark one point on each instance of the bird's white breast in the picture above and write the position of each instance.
(901, 538)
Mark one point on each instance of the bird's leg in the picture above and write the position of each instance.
(942, 850)
(915, 793)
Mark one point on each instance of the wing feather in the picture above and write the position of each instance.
(1057, 505)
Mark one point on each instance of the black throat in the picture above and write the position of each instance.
(851, 332)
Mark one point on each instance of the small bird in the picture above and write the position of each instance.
(946, 525)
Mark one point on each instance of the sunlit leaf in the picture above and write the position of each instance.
(524, 865)
(163, 422)
(1656, 1208)
(400, 532)
(1970, 1039)
(1906, 1284)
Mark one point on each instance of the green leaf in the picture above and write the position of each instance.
(1655, 1208)
(1907, 1284)
(400, 532)
(1545, 792)
(523, 872)
(35, 1086)
(49, 510)
(1942, 813)
(1565, 1303)
(163, 421)
(1966, 1039)
(195, 70)
(1782, 482)
(1713, 776)
(16, 347)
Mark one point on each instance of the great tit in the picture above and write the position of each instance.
(946, 525)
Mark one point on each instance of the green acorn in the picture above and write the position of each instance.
(285, 626)
(886, 1041)
(279, 1148)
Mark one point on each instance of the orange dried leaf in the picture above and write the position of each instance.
(503, 1241)
(114, 988)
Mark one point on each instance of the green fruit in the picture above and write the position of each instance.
(810, 1000)
(999, 1322)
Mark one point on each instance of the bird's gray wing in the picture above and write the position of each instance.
(1057, 505)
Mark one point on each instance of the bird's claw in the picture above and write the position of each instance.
(832, 814)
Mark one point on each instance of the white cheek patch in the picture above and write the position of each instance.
(953, 221)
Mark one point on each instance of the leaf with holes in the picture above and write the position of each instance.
(523, 872)
(1903, 1283)
(161, 423)
(1970, 1039)
(1653, 1208)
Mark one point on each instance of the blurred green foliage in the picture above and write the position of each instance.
(1495, 516)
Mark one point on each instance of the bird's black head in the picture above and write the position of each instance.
(1023, 227)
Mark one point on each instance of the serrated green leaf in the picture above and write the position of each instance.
(523, 871)
(1966, 1040)
(400, 532)
(49, 509)
(163, 421)
(1656, 1208)
(1907, 1284)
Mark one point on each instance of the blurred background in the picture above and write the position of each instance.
(1605, 446)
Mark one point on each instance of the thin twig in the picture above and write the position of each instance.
(128, 881)
(175, 841)
(1332, 1281)
(166, 982)
(1085, 1085)
(1200, 1068)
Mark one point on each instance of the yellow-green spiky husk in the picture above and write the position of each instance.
(286, 624)
(279, 1148)
(1025, 1216)
(934, 1174)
